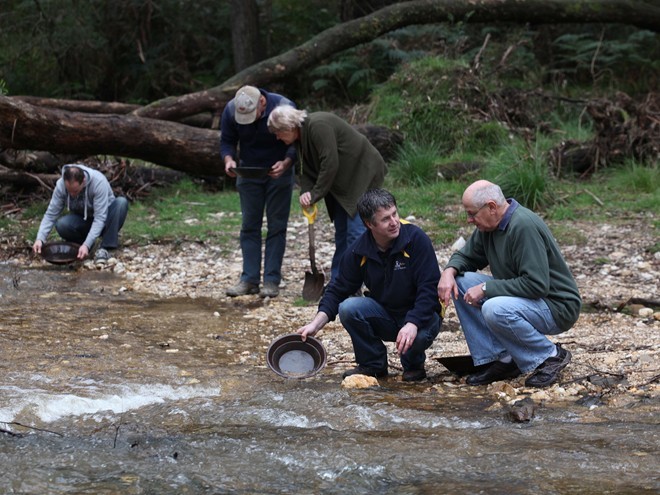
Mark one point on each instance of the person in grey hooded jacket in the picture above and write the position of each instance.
(94, 212)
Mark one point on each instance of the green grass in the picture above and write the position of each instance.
(180, 212)
(184, 211)
(415, 164)
(638, 178)
(187, 211)
(522, 173)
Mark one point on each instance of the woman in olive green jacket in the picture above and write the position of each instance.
(335, 163)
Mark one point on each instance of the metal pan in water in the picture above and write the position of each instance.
(290, 357)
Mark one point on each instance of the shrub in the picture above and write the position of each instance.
(523, 175)
(415, 164)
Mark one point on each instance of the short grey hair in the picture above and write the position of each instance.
(483, 195)
(285, 118)
(372, 201)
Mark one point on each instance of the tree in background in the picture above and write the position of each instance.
(143, 50)
(245, 35)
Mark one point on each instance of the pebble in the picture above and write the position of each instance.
(645, 312)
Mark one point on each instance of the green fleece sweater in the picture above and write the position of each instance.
(336, 159)
(525, 261)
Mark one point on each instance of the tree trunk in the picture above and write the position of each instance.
(80, 105)
(352, 9)
(180, 147)
(245, 33)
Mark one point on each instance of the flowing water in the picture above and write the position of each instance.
(104, 391)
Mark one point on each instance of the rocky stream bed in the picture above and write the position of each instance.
(615, 343)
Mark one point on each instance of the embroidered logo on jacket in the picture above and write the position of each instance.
(400, 265)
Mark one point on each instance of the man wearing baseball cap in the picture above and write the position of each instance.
(244, 131)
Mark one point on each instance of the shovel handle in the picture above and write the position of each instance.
(310, 213)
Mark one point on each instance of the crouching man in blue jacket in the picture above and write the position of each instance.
(396, 262)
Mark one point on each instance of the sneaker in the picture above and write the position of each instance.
(414, 375)
(494, 373)
(270, 289)
(548, 371)
(366, 370)
(102, 256)
(242, 288)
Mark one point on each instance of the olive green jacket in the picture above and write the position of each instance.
(525, 261)
(335, 159)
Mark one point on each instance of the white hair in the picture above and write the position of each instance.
(285, 118)
(483, 195)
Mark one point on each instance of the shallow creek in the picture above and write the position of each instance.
(106, 391)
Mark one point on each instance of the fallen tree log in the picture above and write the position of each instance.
(187, 149)
(191, 150)
(106, 107)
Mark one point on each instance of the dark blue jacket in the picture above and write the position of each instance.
(258, 147)
(404, 280)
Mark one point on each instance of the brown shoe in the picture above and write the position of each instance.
(242, 288)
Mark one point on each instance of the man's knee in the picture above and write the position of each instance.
(350, 307)
(68, 223)
(120, 205)
(496, 313)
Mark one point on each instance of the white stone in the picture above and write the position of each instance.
(645, 312)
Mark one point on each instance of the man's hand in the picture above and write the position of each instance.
(83, 252)
(314, 326)
(230, 164)
(36, 247)
(474, 295)
(279, 168)
(406, 337)
(447, 286)
(306, 199)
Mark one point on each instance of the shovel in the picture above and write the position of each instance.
(314, 281)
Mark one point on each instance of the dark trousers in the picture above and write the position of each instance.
(74, 228)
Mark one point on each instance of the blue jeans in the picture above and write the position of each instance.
(369, 324)
(273, 195)
(74, 228)
(347, 230)
(505, 325)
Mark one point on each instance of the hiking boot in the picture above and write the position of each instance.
(242, 288)
(494, 373)
(366, 370)
(547, 372)
(102, 256)
(270, 289)
(414, 375)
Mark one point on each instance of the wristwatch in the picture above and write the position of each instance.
(483, 288)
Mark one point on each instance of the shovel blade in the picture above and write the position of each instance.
(313, 286)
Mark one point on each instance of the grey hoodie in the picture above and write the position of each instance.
(92, 202)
